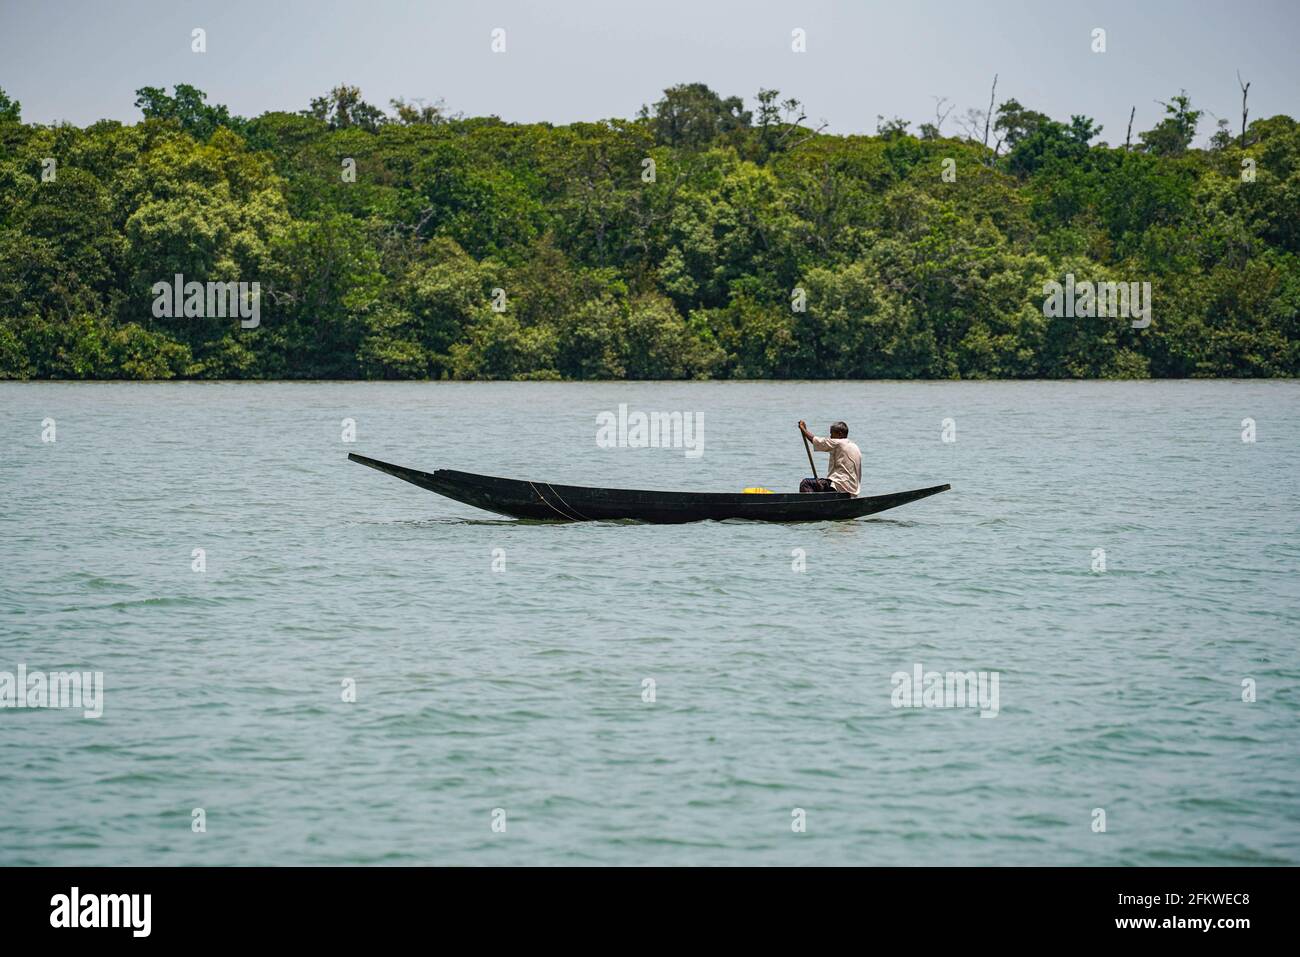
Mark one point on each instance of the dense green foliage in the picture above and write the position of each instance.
(475, 248)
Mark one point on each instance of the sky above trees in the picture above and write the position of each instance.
(584, 60)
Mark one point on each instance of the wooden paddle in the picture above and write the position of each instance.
(807, 448)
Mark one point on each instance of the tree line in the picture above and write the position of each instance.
(698, 239)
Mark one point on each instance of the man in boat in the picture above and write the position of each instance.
(845, 473)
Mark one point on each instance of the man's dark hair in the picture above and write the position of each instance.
(839, 430)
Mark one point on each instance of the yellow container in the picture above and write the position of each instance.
(758, 491)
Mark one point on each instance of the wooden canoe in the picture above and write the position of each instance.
(545, 501)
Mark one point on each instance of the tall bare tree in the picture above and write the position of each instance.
(988, 117)
(1245, 88)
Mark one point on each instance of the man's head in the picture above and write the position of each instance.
(839, 431)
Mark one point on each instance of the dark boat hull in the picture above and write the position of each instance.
(573, 503)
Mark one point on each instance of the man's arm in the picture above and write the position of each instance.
(821, 445)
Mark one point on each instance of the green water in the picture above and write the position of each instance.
(504, 666)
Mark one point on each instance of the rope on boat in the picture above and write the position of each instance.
(569, 518)
(581, 517)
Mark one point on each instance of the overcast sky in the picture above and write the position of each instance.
(82, 60)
